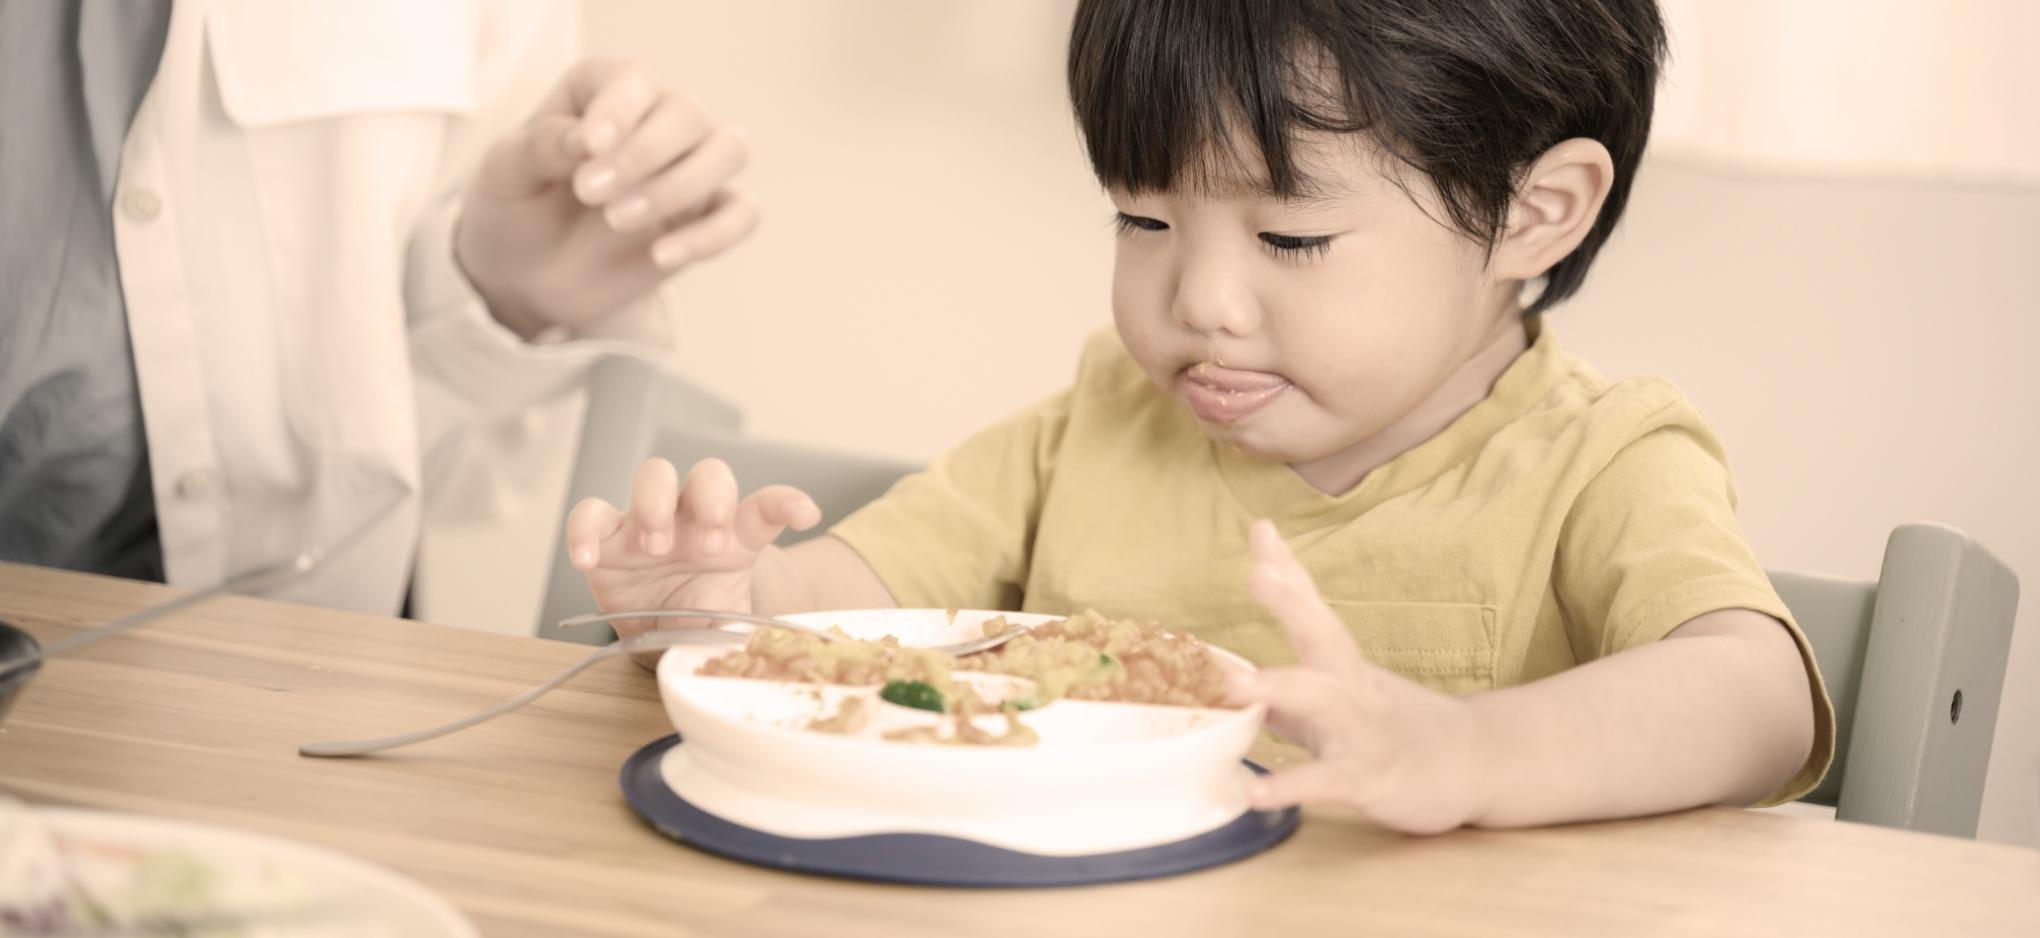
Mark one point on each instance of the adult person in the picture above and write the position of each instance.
(266, 265)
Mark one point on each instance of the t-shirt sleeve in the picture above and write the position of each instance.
(959, 535)
(1653, 542)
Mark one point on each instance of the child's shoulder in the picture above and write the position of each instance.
(1581, 396)
(1584, 419)
(1556, 417)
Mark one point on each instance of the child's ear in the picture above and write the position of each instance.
(1555, 207)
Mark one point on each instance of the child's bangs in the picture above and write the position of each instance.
(1200, 95)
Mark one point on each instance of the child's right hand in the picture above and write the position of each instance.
(690, 546)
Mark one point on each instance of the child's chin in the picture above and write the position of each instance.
(1250, 441)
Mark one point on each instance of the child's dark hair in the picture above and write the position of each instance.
(1467, 92)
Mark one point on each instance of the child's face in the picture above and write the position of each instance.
(1298, 331)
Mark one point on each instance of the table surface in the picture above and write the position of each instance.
(520, 823)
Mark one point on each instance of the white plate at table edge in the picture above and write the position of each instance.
(772, 777)
(400, 903)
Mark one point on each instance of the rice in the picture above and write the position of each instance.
(1090, 657)
(1084, 657)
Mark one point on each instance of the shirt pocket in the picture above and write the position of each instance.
(282, 63)
(1448, 647)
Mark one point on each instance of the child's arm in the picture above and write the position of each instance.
(818, 573)
(1718, 713)
(699, 546)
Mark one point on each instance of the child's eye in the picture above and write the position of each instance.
(1294, 246)
(1128, 224)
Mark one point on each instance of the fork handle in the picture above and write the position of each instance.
(649, 641)
(744, 617)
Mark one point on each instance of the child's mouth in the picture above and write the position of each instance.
(1217, 394)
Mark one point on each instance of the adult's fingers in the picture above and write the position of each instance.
(729, 216)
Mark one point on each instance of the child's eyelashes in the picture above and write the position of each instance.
(1128, 224)
(1296, 246)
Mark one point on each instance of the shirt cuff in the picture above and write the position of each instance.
(455, 341)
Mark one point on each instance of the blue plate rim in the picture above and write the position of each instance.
(932, 859)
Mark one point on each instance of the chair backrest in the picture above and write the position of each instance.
(1915, 664)
(638, 410)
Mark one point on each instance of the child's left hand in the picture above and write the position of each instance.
(1408, 757)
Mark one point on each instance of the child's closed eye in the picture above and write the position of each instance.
(1129, 224)
(1303, 247)
(1299, 247)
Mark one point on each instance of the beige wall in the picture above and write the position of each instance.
(934, 249)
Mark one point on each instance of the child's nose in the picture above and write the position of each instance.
(1209, 301)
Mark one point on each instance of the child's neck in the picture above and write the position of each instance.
(1465, 387)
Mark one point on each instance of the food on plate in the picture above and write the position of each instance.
(851, 717)
(1090, 657)
(1083, 657)
(919, 695)
(958, 727)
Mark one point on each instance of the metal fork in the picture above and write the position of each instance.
(654, 640)
(957, 650)
(255, 579)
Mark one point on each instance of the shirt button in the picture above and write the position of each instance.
(141, 204)
(195, 484)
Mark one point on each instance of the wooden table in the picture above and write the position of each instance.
(520, 822)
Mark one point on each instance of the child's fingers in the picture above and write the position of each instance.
(724, 221)
(708, 503)
(654, 494)
(590, 523)
(684, 185)
(1308, 707)
(1242, 684)
(771, 510)
(676, 134)
(1281, 583)
(1308, 783)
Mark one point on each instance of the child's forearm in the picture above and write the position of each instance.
(1718, 713)
(815, 574)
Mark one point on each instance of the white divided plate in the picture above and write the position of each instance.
(1104, 777)
(247, 871)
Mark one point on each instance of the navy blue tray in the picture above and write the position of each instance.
(932, 859)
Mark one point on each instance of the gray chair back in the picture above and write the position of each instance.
(1915, 664)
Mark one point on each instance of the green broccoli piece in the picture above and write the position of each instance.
(916, 694)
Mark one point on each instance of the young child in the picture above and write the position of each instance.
(1512, 592)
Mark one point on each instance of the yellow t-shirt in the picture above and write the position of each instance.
(1561, 520)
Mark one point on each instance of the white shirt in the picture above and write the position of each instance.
(306, 349)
